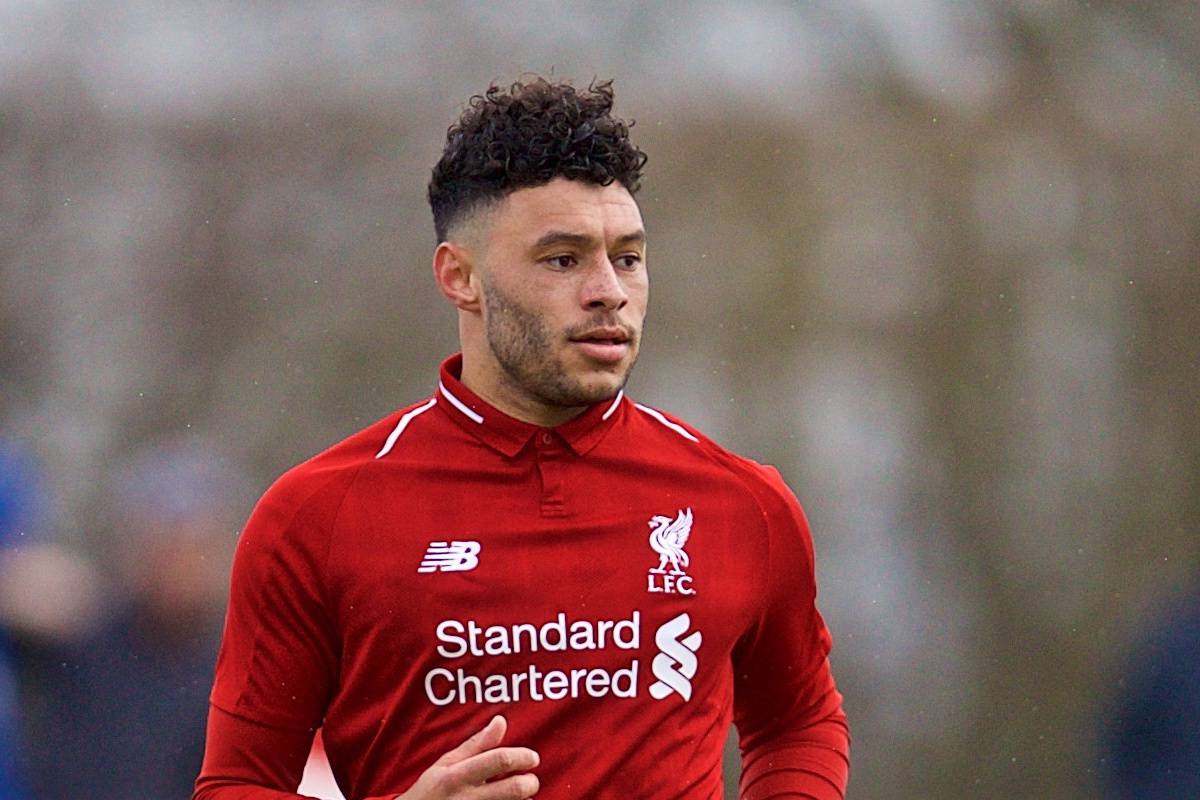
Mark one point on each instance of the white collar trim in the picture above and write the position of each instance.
(459, 404)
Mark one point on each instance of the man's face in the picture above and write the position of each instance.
(564, 292)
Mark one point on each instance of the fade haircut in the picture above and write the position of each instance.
(527, 135)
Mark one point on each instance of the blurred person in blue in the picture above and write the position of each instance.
(1152, 729)
(20, 492)
(121, 707)
(30, 564)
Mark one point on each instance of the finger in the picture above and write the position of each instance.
(485, 739)
(500, 761)
(515, 787)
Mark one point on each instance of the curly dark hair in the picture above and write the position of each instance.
(527, 135)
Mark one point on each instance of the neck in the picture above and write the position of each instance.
(500, 392)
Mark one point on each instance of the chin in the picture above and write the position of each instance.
(600, 387)
(586, 382)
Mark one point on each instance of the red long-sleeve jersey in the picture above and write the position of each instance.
(619, 586)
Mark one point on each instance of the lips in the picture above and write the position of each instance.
(605, 345)
(603, 336)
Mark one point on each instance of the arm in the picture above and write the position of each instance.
(794, 737)
(245, 760)
(277, 664)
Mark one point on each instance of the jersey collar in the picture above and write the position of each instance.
(509, 435)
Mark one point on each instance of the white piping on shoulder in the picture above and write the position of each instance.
(658, 416)
(402, 424)
(614, 405)
(459, 404)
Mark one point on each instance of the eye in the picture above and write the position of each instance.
(628, 261)
(564, 261)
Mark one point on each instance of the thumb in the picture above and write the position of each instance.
(489, 737)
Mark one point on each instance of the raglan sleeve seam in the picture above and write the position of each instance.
(326, 572)
(765, 596)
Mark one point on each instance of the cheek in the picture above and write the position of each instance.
(639, 293)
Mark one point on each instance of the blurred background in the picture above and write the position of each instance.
(935, 259)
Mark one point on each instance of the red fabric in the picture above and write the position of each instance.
(330, 623)
(244, 760)
(813, 763)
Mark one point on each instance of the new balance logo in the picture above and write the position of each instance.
(675, 665)
(456, 556)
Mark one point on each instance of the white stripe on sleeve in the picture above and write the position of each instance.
(402, 424)
(658, 416)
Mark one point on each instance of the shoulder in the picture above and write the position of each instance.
(783, 524)
(683, 441)
(317, 486)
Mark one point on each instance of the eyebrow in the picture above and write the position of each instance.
(582, 239)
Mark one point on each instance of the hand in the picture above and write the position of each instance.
(464, 772)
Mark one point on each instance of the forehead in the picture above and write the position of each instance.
(602, 212)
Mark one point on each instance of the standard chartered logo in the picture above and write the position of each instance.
(675, 665)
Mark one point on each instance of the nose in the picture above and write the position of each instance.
(602, 289)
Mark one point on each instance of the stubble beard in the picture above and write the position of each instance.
(523, 346)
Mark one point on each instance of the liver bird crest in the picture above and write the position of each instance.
(668, 537)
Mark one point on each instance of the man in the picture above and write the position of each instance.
(589, 585)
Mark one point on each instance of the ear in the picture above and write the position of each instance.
(456, 275)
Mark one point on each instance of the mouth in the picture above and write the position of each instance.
(603, 336)
(606, 345)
